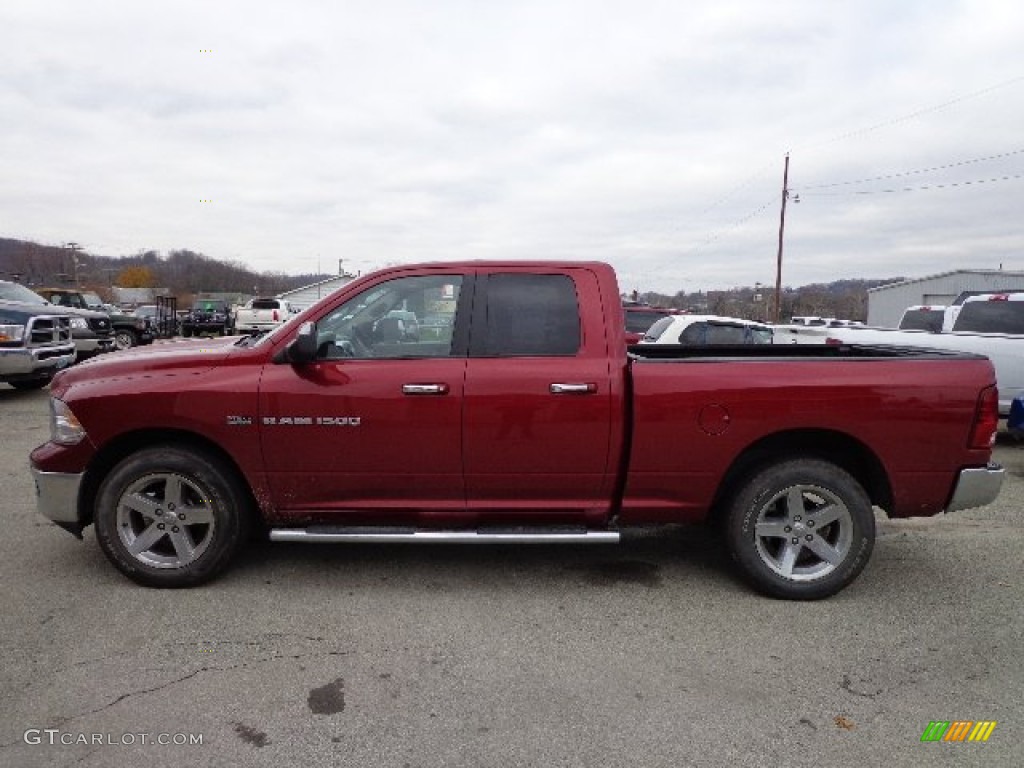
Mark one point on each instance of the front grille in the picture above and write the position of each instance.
(47, 330)
(99, 325)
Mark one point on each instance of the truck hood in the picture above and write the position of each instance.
(192, 356)
(31, 308)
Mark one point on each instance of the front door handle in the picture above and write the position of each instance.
(424, 389)
(573, 389)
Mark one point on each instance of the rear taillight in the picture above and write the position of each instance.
(833, 341)
(986, 419)
(275, 316)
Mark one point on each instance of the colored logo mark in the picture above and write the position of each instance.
(958, 730)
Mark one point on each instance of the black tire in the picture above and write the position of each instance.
(806, 547)
(125, 339)
(26, 384)
(186, 332)
(199, 501)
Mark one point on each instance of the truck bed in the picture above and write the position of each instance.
(674, 352)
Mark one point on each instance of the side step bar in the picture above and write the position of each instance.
(330, 534)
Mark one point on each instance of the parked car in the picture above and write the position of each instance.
(129, 331)
(262, 314)
(163, 323)
(207, 316)
(704, 330)
(532, 423)
(35, 339)
(91, 331)
(640, 317)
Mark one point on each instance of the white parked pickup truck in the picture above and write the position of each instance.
(262, 315)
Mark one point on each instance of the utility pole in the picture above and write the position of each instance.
(74, 248)
(782, 229)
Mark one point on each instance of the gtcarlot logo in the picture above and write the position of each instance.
(55, 737)
(958, 730)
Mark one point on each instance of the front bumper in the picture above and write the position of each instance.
(57, 498)
(25, 361)
(976, 487)
(94, 346)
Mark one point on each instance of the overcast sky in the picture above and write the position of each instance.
(648, 134)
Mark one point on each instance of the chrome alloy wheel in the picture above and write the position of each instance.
(165, 520)
(804, 533)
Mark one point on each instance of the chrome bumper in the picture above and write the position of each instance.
(976, 487)
(21, 361)
(57, 496)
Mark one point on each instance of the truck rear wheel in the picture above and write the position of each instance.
(800, 529)
(171, 517)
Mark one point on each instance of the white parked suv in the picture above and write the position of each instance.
(703, 330)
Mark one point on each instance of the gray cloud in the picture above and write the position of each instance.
(649, 134)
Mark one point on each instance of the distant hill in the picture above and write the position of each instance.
(182, 271)
(846, 299)
(186, 272)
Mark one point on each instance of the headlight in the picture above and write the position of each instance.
(65, 429)
(79, 322)
(12, 332)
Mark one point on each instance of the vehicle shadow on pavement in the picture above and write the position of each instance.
(645, 559)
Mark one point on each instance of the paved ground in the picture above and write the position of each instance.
(645, 654)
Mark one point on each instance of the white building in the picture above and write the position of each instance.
(887, 302)
(307, 296)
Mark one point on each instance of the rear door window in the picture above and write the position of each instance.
(528, 315)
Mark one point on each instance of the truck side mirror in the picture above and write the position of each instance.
(301, 349)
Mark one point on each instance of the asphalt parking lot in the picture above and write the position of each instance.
(649, 653)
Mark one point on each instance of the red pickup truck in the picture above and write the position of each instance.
(516, 414)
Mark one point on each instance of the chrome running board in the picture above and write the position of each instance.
(329, 534)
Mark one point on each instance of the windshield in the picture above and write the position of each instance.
(16, 292)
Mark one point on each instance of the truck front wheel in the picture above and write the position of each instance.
(800, 529)
(125, 339)
(170, 516)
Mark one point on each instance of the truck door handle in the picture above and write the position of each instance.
(424, 389)
(573, 389)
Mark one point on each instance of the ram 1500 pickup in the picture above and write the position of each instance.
(527, 420)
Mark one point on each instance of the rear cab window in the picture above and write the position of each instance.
(923, 319)
(999, 313)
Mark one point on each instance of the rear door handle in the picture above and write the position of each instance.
(424, 389)
(573, 389)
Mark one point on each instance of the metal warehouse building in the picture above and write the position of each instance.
(307, 296)
(887, 302)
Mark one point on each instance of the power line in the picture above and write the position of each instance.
(918, 189)
(913, 173)
(735, 225)
(917, 113)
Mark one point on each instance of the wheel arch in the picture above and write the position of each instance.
(838, 448)
(125, 445)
